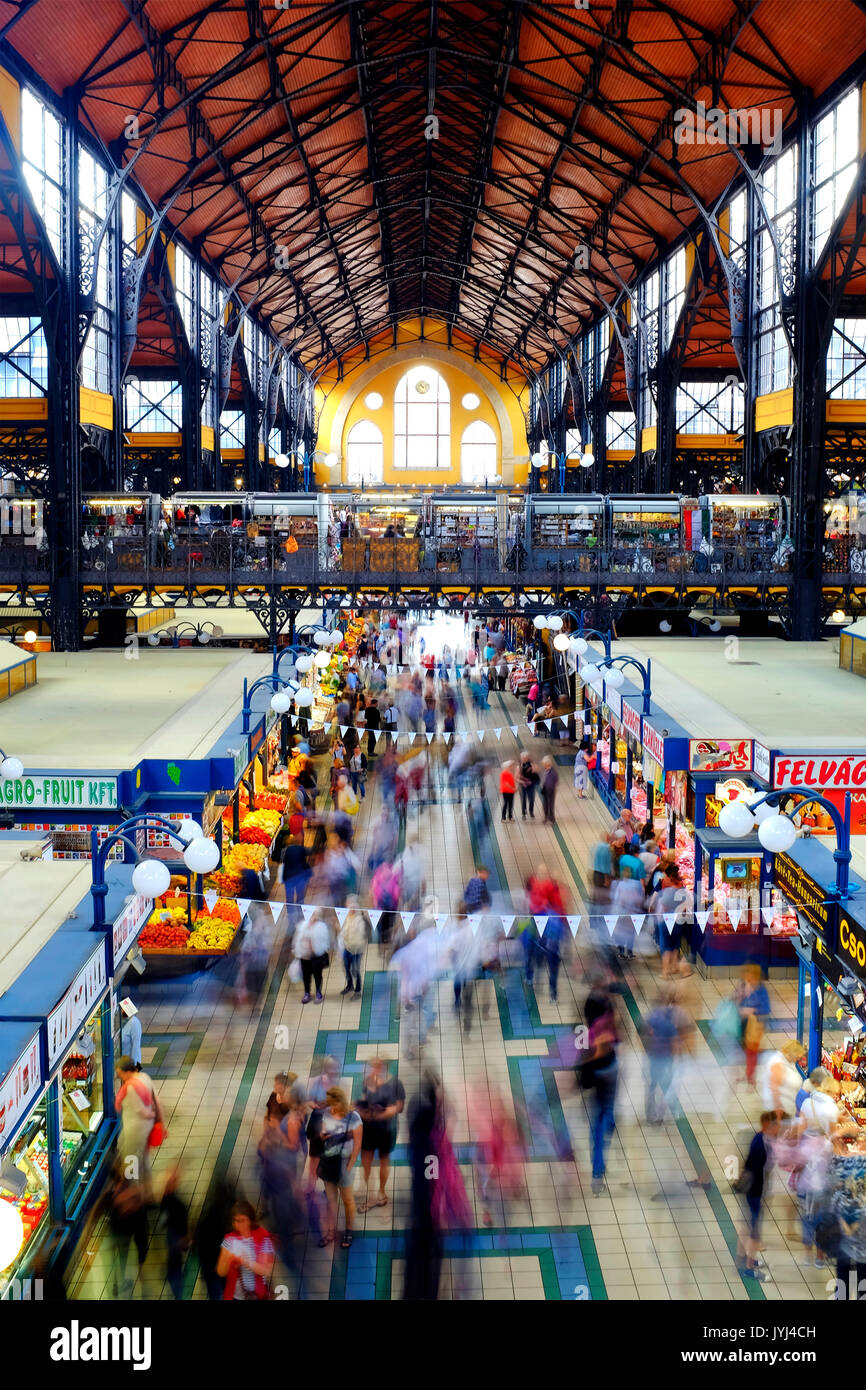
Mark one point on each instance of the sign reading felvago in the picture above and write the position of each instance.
(49, 792)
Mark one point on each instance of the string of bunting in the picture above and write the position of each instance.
(505, 920)
(412, 735)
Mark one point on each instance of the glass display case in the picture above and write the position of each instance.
(645, 533)
(566, 533)
(746, 532)
(845, 534)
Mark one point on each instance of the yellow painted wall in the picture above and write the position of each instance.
(207, 438)
(648, 438)
(332, 397)
(141, 439)
(709, 441)
(96, 408)
(386, 384)
(24, 408)
(848, 412)
(774, 410)
(10, 106)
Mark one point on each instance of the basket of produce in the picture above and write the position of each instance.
(260, 827)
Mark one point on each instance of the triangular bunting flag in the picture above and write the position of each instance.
(448, 737)
(344, 729)
(514, 730)
(541, 923)
(531, 728)
(481, 733)
(308, 910)
(507, 924)
(498, 733)
(768, 913)
(610, 922)
(379, 733)
(276, 909)
(411, 738)
(474, 923)
(441, 919)
(701, 918)
(734, 915)
(342, 914)
(548, 723)
(211, 897)
(243, 906)
(637, 920)
(429, 737)
(670, 919)
(374, 914)
(574, 923)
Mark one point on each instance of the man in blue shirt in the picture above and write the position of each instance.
(476, 894)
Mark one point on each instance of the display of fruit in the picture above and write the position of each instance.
(246, 856)
(159, 936)
(260, 827)
(214, 935)
(225, 881)
(224, 909)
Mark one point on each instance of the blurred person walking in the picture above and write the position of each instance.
(312, 947)
(528, 779)
(752, 1184)
(341, 1144)
(549, 784)
(379, 1104)
(507, 787)
(354, 938)
(599, 1074)
(246, 1259)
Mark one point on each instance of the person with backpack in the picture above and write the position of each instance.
(353, 940)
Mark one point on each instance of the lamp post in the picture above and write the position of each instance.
(613, 676)
(777, 833)
(10, 767)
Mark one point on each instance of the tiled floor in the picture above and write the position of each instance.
(648, 1236)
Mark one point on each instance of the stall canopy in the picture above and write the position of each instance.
(20, 1076)
(69, 971)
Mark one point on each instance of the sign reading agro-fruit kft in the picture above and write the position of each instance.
(49, 791)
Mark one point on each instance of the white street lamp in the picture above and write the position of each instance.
(736, 819)
(11, 768)
(613, 676)
(587, 458)
(151, 878)
(555, 623)
(579, 646)
(323, 659)
(537, 460)
(304, 664)
(540, 622)
(322, 637)
(281, 702)
(202, 856)
(189, 830)
(562, 642)
(589, 673)
(304, 697)
(777, 833)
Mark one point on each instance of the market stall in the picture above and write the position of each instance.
(565, 533)
(56, 1093)
(745, 532)
(646, 533)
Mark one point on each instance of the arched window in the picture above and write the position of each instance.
(422, 420)
(478, 454)
(365, 453)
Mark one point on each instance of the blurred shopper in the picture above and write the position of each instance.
(354, 938)
(341, 1143)
(754, 1004)
(140, 1112)
(246, 1260)
(528, 779)
(549, 784)
(174, 1215)
(379, 1104)
(312, 947)
(753, 1185)
(212, 1224)
(665, 1029)
(295, 869)
(424, 1242)
(507, 788)
(599, 1076)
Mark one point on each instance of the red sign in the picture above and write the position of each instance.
(18, 1087)
(631, 720)
(654, 743)
(819, 771)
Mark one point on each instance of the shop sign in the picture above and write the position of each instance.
(631, 720)
(847, 771)
(76, 1005)
(761, 761)
(19, 1087)
(613, 700)
(50, 792)
(720, 755)
(732, 789)
(828, 965)
(804, 894)
(241, 760)
(129, 924)
(852, 944)
(652, 772)
(654, 743)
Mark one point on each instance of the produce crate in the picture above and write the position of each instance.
(172, 961)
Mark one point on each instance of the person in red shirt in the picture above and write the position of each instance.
(507, 786)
